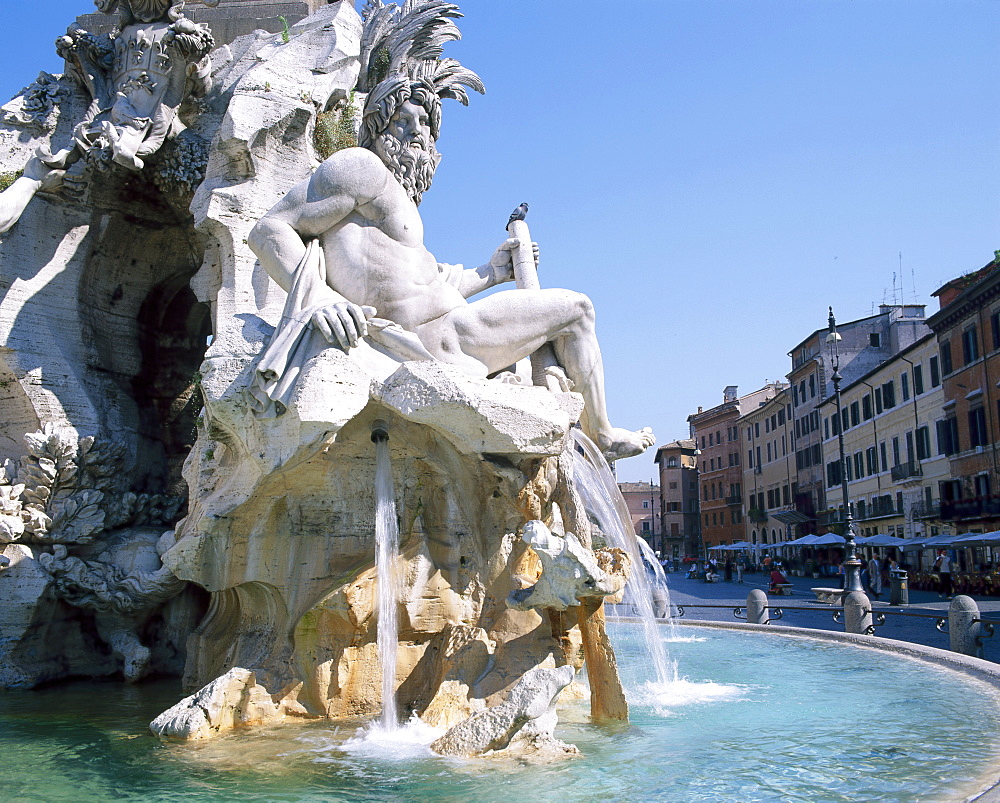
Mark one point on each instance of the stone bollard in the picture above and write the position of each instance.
(963, 628)
(857, 613)
(757, 607)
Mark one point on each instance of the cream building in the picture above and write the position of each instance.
(894, 463)
(769, 474)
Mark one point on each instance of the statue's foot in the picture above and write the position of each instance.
(621, 443)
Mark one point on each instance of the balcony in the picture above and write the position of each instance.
(975, 508)
(904, 471)
(827, 517)
(926, 510)
(757, 516)
(735, 501)
(882, 507)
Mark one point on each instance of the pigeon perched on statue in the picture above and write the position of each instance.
(518, 214)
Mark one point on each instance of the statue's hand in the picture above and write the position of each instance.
(343, 323)
(501, 262)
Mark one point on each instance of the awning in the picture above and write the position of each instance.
(789, 516)
(805, 540)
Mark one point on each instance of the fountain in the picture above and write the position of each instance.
(604, 501)
(386, 559)
(290, 573)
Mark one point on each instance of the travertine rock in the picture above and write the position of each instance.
(530, 704)
(569, 572)
(230, 701)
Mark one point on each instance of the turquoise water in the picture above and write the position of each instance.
(758, 718)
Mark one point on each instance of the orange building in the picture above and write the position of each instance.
(720, 473)
(968, 333)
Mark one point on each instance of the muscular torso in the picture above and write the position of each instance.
(375, 256)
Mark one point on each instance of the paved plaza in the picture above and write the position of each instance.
(690, 594)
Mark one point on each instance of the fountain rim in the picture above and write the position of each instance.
(977, 668)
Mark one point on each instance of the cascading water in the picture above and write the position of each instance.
(603, 500)
(386, 562)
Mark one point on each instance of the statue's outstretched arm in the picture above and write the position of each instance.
(498, 270)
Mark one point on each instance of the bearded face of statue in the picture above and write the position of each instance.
(406, 147)
(150, 10)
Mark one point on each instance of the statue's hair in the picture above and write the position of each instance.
(401, 59)
(383, 102)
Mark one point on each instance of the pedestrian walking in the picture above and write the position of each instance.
(875, 577)
(729, 570)
(740, 567)
(943, 567)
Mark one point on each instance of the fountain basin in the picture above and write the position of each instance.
(762, 716)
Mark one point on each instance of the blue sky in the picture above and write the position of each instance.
(713, 173)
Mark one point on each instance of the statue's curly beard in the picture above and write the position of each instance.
(412, 165)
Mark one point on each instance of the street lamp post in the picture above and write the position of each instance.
(852, 565)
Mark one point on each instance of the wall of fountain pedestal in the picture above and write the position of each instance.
(282, 534)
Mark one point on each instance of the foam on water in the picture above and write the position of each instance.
(664, 697)
(397, 743)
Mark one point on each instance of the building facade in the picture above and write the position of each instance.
(680, 519)
(769, 474)
(643, 500)
(716, 433)
(967, 327)
(894, 466)
(864, 344)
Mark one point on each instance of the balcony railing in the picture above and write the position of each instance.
(974, 508)
(828, 517)
(926, 510)
(911, 468)
(734, 500)
(883, 506)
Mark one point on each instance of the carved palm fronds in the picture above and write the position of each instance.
(407, 43)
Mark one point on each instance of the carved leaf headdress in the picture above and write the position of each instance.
(407, 42)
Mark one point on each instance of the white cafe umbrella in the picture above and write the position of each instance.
(978, 539)
(805, 540)
(936, 542)
(879, 539)
(830, 539)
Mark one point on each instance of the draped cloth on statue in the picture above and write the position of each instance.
(295, 340)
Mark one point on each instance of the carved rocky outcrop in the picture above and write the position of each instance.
(231, 701)
(528, 714)
(568, 573)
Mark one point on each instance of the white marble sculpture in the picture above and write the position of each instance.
(344, 318)
(137, 81)
(346, 244)
(569, 572)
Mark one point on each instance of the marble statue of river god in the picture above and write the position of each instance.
(361, 207)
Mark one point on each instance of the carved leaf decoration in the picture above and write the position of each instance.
(77, 519)
(35, 521)
(10, 501)
(38, 496)
(449, 79)
(121, 510)
(11, 528)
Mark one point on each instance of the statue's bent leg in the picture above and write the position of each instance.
(503, 328)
